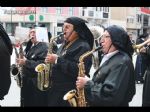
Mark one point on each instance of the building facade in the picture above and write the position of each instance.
(135, 20)
(145, 18)
(51, 17)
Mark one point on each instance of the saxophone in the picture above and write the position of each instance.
(16, 69)
(76, 98)
(45, 70)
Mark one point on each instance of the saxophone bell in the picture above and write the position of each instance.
(40, 67)
(17, 75)
(14, 70)
(71, 97)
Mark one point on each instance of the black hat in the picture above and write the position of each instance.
(42, 25)
(145, 35)
(6, 39)
(81, 28)
(33, 26)
(120, 39)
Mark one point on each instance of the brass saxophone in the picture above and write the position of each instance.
(16, 69)
(45, 70)
(139, 46)
(76, 98)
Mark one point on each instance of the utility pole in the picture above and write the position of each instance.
(35, 17)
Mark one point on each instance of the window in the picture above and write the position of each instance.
(44, 9)
(105, 15)
(106, 9)
(28, 25)
(58, 10)
(130, 20)
(10, 28)
(98, 8)
(83, 13)
(71, 10)
(84, 7)
(138, 18)
(145, 21)
(91, 13)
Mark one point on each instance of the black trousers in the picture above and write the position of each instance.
(31, 96)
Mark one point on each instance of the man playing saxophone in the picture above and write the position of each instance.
(113, 83)
(34, 54)
(141, 60)
(78, 40)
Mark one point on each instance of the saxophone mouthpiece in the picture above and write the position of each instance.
(31, 37)
(61, 34)
(98, 48)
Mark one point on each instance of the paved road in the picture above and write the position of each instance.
(137, 99)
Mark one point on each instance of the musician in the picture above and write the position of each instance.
(78, 40)
(140, 66)
(5, 54)
(35, 53)
(113, 83)
(146, 84)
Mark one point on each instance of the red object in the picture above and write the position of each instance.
(17, 45)
(145, 10)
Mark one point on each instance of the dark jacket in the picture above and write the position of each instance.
(5, 54)
(65, 72)
(35, 56)
(146, 86)
(66, 69)
(141, 62)
(30, 94)
(113, 84)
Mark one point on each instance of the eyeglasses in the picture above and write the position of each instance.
(105, 36)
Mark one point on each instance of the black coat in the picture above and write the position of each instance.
(141, 63)
(30, 94)
(5, 53)
(65, 72)
(146, 86)
(113, 84)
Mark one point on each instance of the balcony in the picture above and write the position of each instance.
(95, 14)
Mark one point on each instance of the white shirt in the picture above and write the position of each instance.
(107, 56)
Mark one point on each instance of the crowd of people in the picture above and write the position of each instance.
(112, 84)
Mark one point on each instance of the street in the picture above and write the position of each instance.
(12, 99)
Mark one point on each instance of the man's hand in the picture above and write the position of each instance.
(21, 61)
(81, 81)
(51, 58)
(143, 50)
